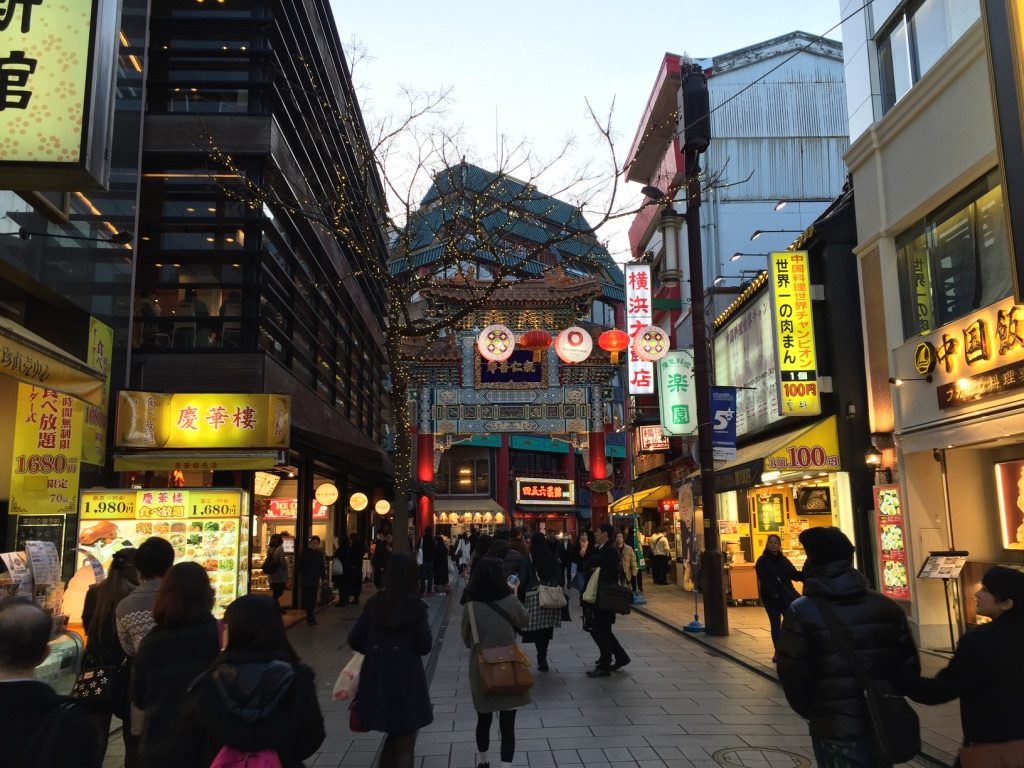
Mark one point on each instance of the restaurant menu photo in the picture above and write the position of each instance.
(892, 542)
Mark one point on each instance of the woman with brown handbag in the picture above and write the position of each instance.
(490, 619)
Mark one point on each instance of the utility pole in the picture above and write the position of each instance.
(696, 135)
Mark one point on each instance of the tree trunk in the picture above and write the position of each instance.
(400, 383)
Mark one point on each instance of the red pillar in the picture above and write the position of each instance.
(598, 471)
(425, 474)
(501, 480)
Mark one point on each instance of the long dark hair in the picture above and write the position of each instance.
(254, 626)
(768, 552)
(401, 581)
(543, 558)
(185, 597)
(122, 578)
(487, 584)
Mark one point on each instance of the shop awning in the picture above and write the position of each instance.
(164, 460)
(645, 498)
(543, 510)
(467, 505)
(30, 358)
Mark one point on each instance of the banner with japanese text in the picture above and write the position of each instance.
(723, 419)
(793, 327)
(206, 420)
(677, 397)
(639, 315)
(101, 350)
(47, 452)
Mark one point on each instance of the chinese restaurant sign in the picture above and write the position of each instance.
(532, 490)
(639, 314)
(797, 367)
(160, 504)
(649, 438)
(677, 397)
(47, 452)
(94, 439)
(155, 420)
(892, 542)
(57, 60)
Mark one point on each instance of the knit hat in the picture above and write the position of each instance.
(1005, 584)
(825, 544)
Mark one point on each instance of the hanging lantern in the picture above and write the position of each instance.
(574, 345)
(614, 341)
(651, 343)
(496, 343)
(536, 342)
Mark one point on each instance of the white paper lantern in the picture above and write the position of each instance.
(496, 343)
(651, 343)
(574, 345)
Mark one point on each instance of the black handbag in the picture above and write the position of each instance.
(100, 686)
(614, 597)
(894, 722)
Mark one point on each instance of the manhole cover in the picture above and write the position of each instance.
(747, 757)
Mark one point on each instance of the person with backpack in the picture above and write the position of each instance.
(393, 632)
(275, 565)
(256, 703)
(39, 729)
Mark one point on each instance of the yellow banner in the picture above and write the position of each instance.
(47, 451)
(161, 503)
(101, 350)
(44, 68)
(107, 505)
(215, 504)
(793, 325)
(201, 421)
(816, 448)
(29, 360)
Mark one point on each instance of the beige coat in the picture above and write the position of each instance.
(494, 631)
(628, 561)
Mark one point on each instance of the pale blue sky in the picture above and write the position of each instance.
(525, 68)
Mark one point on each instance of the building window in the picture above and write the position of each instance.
(464, 477)
(955, 261)
(915, 38)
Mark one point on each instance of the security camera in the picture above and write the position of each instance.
(937, 454)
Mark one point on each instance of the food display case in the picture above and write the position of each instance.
(208, 526)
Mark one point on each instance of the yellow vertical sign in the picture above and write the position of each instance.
(47, 452)
(94, 435)
(793, 326)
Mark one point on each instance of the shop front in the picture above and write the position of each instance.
(452, 517)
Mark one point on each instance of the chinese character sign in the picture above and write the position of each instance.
(94, 439)
(47, 452)
(50, 92)
(794, 334)
(153, 420)
(531, 490)
(677, 397)
(639, 315)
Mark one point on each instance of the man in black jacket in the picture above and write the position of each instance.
(605, 557)
(311, 568)
(820, 681)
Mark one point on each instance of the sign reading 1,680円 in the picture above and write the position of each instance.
(793, 326)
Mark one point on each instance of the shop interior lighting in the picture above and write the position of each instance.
(898, 381)
(873, 457)
(758, 232)
(767, 477)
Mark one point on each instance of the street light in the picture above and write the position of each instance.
(898, 381)
(758, 232)
(739, 255)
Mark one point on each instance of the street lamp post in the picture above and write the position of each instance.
(696, 132)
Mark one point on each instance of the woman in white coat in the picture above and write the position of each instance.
(463, 553)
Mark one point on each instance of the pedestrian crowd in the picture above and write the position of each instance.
(192, 691)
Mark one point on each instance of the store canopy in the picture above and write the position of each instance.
(34, 360)
(189, 460)
(646, 498)
(467, 505)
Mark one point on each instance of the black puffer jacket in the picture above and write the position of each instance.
(252, 702)
(820, 683)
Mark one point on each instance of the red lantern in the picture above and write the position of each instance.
(614, 341)
(536, 342)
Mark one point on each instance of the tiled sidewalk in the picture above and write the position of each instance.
(749, 642)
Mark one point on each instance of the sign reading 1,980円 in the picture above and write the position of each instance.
(793, 327)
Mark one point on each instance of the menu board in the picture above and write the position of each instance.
(892, 542)
(41, 528)
(943, 565)
(209, 526)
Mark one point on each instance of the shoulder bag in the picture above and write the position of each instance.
(551, 597)
(99, 686)
(504, 670)
(894, 722)
(590, 593)
(616, 598)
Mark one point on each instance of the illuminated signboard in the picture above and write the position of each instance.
(677, 395)
(639, 315)
(101, 350)
(1010, 486)
(155, 420)
(649, 437)
(57, 69)
(796, 364)
(534, 490)
(288, 509)
(892, 542)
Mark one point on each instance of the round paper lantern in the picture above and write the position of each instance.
(574, 345)
(651, 343)
(358, 501)
(382, 507)
(496, 343)
(614, 341)
(536, 342)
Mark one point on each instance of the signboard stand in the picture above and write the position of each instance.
(945, 567)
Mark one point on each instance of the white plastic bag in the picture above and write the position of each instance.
(347, 684)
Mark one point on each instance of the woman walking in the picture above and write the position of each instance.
(986, 673)
(277, 574)
(775, 577)
(393, 633)
(103, 649)
(580, 550)
(543, 569)
(441, 564)
(354, 567)
(497, 613)
(627, 564)
(463, 553)
(425, 559)
(256, 696)
(182, 645)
